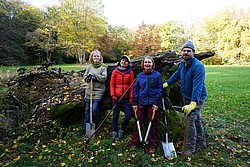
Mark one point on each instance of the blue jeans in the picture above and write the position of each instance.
(196, 131)
(95, 110)
(127, 109)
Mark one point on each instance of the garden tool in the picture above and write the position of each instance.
(90, 127)
(188, 116)
(87, 142)
(168, 147)
(149, 127)
(138, 125)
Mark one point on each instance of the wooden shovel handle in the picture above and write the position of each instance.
(185, 136)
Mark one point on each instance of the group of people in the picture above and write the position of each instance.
(143, 95)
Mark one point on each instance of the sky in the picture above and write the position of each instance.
(131, 13)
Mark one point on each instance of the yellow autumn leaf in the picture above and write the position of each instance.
(19, 138)
(14, 146)
(17, 158)
(154, 159)
(70, 157)
(2, 155)
(119, 155)
(40, 157)
(63, 164)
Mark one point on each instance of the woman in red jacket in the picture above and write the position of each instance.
(122, 77)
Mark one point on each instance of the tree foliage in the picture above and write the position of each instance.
(146, 40)
(172, 35)
(82, 21)
(226, 35)
(73, 28)
(115, 42)
(16, 20)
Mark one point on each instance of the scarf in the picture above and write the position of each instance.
(148, 71)
(96, 65)
(121, 69)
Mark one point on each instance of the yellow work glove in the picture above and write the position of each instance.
(188, 108)
(165, 85)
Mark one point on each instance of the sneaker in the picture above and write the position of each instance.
(151, 150)
(189, 152)
(120, 134)
(114, 135)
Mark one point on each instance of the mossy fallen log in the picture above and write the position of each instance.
(60, 94)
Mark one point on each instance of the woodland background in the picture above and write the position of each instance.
(69, 31)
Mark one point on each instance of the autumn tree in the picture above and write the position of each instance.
(115, 42)
(82, 21)
(16, 20)
(172, 35)
(226, 35)
(146, 40)
(44, 38)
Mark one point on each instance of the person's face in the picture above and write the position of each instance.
(96, 58)
(124, 62)
(148, 64)
(187, 53)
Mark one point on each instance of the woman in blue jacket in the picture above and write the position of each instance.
(147, 97)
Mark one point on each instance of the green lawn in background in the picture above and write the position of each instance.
(225, 116)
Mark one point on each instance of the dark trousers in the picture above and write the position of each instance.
(152, 137)
(127, 109)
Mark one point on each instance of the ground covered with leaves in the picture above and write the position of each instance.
(41, 141)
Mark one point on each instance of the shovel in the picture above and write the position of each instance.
(90, 127)
(168, 147)
(188, 117)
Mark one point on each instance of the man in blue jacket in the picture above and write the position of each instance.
(191, 73)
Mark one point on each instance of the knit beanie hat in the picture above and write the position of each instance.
(189, 44)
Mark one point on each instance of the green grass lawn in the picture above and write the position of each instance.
(225, 116)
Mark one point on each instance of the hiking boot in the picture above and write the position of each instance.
(201, 145)
(151, 150)
(120, 134)
(114, 135)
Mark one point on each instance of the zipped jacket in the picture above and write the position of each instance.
(192, 79)
(120, 81)
(148, 89)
